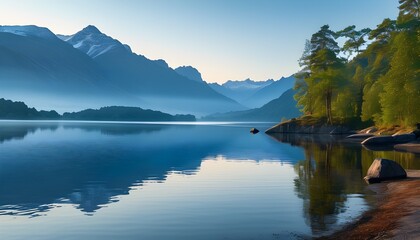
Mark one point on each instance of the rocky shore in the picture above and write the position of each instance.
(395, 215)
(372, 138)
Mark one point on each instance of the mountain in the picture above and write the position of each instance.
(92, 42)
(269, 92)
(158, 85)
(274, 111)
(38, 67)
(30, 30)
(240, 90)
(20, 111)
(190, 73)
(116, 113)
(90, 69)
(254, 94)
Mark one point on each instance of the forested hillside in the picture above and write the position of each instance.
(374, 76)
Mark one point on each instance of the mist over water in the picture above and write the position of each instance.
(92, 180)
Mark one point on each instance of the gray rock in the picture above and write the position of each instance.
(384, 169)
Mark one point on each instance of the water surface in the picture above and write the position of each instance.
(80, 180)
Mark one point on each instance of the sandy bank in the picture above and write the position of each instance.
(396, 215)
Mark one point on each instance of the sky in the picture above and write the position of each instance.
(223, 39)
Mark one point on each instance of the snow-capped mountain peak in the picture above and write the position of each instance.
(93, 42)
(29, 30)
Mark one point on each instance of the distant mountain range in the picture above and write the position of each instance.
(254, 94)
(281, 107)
(116, 113)
(90, 69)
(20, 111)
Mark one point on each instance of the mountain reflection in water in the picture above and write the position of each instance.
(284, 184)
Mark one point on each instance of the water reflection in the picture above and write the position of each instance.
(331, 171)
(19, 130)
(89, 165)
(197, 180)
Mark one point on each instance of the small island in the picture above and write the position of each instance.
(10, 110)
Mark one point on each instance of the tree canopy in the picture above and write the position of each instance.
(380, 79)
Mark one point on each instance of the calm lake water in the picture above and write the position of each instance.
(69, 180)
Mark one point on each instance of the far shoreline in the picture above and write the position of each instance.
(131, 122)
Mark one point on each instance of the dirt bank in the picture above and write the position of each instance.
(396, 216)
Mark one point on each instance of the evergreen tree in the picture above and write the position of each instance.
(355, 39)
(399, 100)
(324, 74)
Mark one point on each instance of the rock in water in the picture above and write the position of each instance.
(384, 169)
(254, 131)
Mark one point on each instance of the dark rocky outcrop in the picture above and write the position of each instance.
(390, 140)
(294, 127)
(384, 169)
(360, 136)
(375, 140)
(254, 131)
(404, 138)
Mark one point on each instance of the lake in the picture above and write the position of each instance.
(91, 180)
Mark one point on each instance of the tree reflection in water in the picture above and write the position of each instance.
(333, 170)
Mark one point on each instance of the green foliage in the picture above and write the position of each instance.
(399, 100)
(409, 13)
(355, 39)
(322, 74)
(381, 83)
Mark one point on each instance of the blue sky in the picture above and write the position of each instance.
(223, 39)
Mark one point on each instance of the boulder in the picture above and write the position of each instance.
(384, 169)
(254, 131)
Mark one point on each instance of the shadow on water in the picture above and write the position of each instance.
(115, 129)
(331, 173)
(18, 131)
(91, 165)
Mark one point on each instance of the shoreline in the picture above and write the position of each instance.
(395, 215)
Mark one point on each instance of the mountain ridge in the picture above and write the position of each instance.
(71, 75)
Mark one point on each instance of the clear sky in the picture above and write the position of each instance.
(223, 39)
